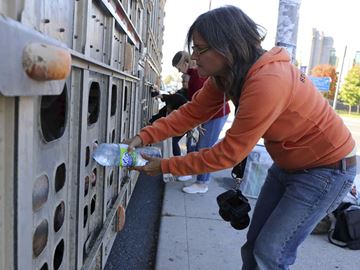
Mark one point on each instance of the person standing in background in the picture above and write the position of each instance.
(172, 102)
(210, 130)
(184, 86)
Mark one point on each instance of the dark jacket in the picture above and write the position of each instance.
(173, 101)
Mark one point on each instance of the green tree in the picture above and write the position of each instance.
(173, 81)
(168, 79)
(350, 91)
(327, 71)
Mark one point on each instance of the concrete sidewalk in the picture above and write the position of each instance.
(193, 235)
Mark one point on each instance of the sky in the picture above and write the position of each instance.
(336, 18)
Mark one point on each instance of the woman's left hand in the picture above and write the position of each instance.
(152, 168)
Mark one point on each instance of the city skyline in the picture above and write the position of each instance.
(321, 50)
(336, 20)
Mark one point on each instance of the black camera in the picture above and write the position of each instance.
(234, 207)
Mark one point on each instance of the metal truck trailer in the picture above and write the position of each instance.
(58, 208)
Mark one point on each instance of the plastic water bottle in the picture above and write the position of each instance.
(112, 154)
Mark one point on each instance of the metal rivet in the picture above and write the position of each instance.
(76, 36)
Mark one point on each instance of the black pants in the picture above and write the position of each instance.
(175, 145)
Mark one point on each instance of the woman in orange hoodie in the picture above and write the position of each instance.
(313, 151)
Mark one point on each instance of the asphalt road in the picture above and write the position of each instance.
(135, 247)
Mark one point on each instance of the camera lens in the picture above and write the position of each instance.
(234, 207)
(224, 212)
(240, 224)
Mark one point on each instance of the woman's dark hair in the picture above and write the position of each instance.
(230, 32)
(177, 57)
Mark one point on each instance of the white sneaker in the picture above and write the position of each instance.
(196, 188)
(184, 178)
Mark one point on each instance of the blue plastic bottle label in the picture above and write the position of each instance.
(127, 159)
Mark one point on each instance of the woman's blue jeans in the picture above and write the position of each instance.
(213, 128)
(288, 208)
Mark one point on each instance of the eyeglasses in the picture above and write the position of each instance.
(198, 51)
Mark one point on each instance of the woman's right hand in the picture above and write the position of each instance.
(133, 142)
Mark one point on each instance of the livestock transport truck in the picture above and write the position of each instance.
(73, 73)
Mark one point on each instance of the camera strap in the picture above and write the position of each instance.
(238, 173)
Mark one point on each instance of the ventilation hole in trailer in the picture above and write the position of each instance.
(93, 205)
(60, 177)
(59, 254)
(113, 100)
(113, 136)
(124, 203)
(93, 178)
(87, 156)
(86, 185)
(86, 214)
(53, 115)
(40, 192)
(108, 204)
(40, 238)
(111, 178)
(86, 247)
(94, 103)
(59, 216)
(125, 99)
(44, 267)
(95, 145)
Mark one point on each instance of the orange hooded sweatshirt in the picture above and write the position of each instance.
(277, 103)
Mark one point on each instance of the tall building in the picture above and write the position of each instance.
(333, 58)
(322, 51)
(357, 59)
